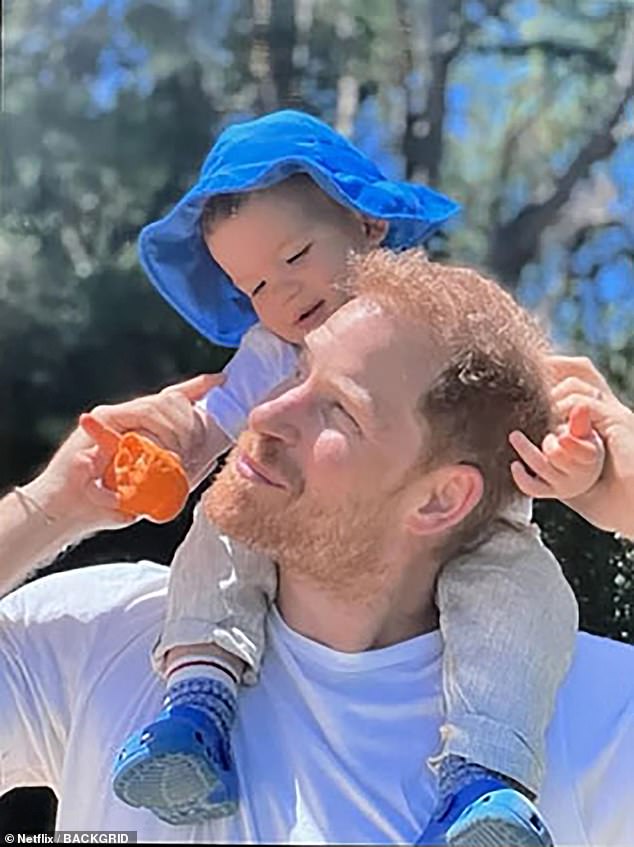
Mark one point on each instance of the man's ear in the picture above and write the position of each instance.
(443, 499)
(375, 231)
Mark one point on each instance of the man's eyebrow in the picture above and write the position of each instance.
(345, 386)
(358, 396)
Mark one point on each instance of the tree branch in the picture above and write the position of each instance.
(554, 49)
(260, 57)
(509, 148)
(281, 38)
(423, 135)
(515, 243)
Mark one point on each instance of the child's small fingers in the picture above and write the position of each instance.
(594, 404)
(580, 422)
(530, 485)
(557, 457)
(522, 445)
(533, 457)
(585, 452)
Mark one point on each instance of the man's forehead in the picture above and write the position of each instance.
(364, 343)
(362, 328)
(355, 331)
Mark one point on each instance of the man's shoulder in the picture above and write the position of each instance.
(603, 657)
(596, 700)
(590, 776)
(87, 594)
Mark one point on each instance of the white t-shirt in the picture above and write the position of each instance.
(330, 747)
(260, 364)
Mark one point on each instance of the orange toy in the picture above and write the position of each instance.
(148, 480)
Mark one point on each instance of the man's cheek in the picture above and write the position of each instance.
(332, 459)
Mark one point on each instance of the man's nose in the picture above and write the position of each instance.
(279, 417)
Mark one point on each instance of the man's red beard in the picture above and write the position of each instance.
(336, 548)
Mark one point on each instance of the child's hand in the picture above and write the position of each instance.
(608, 505)
(569, 463)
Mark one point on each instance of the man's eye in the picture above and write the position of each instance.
(258, 288)
(299, 255)
(340, 408)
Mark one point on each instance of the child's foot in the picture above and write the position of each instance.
(180, 766)
(487, 813)
(503, 818)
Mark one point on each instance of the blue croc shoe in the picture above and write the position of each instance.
(487, 813)
(504, 818)
(179, 767)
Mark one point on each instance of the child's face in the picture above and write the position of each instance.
(286, 258)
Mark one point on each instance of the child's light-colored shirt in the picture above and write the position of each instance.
(262, 362)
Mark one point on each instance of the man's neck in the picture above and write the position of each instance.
(402, 608)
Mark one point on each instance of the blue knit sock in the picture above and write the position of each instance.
(213, 698)
(456, 772)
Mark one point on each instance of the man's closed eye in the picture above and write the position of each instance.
(340, 408)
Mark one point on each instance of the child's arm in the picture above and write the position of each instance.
(262, 362)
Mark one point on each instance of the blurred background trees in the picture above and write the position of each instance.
(523, 110)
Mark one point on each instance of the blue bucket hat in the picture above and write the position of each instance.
(254, 155)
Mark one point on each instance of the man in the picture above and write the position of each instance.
(349, 706)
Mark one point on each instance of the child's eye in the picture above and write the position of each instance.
(299, 255)
(258, 288)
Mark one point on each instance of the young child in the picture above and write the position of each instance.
(263, 236)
